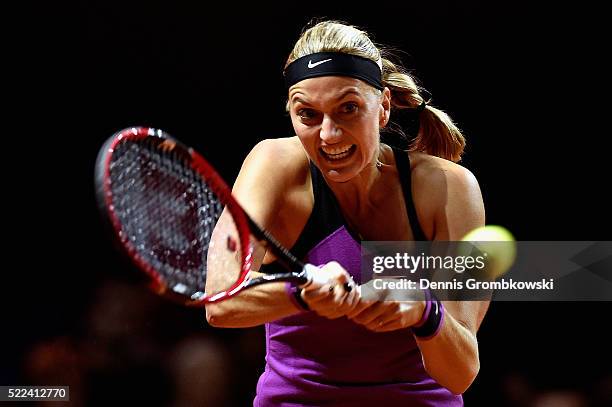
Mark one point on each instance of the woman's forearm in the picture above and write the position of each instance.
(451, 357)
(252, 307)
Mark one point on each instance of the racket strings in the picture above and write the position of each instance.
(166, 211)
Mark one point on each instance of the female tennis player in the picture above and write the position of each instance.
(322, 191)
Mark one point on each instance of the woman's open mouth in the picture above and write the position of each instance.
(338, 154)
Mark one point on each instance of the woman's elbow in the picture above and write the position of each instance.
(461, 384)
(216, 315)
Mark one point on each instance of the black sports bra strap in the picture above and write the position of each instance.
(403, 169)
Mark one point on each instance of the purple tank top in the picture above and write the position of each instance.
(315, 361)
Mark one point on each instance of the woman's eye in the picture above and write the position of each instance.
(350, 107)
(305, 114)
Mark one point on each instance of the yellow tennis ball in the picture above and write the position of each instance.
(498, 245)
(489, 233)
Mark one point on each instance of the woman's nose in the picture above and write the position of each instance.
(330, 132)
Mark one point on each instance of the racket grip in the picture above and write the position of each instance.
(315, 275)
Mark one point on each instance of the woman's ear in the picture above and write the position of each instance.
(383, 118)
(385, 107)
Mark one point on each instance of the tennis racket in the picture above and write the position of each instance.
(163, 200)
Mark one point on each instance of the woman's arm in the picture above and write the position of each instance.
(451, 357)
(266, 186)
(260, 189)
(251, 307)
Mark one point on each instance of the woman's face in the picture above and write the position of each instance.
(338, 120)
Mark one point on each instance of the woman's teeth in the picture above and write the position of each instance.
(337, 153)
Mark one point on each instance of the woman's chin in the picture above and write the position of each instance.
(341, 169)
(341, 174)
(337, 176)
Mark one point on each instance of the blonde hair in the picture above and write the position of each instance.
(437, 134)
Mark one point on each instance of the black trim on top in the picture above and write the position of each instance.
(402, 161)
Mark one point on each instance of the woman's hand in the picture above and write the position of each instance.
(332, 300)
(384, 316)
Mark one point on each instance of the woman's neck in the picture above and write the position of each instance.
(365, 192)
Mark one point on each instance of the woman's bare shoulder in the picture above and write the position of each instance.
(269, 176)
(446, 194)
(284, 154)
(275, 160)
(290, 145)
(273, 187)
(432, 171)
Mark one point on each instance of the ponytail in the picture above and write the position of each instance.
(437, 134)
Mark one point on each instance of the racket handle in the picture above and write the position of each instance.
(314, 275)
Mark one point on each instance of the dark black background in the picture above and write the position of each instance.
(523, 83)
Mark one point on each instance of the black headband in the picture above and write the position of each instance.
(333, 64)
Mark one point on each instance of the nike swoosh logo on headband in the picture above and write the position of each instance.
(311, 65)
